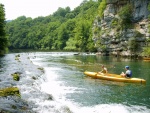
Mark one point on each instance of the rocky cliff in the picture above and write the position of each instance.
(123, 29)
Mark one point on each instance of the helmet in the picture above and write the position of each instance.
(127, 67)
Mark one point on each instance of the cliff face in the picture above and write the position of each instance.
(120, 32)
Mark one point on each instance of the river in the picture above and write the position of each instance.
(73, 92)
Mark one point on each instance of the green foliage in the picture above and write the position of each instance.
(117, 35)
(146, 51)
(101, 8)
(3, 39)
(71, 45)
(98, 44)
(114, 22)
(134, 45)
(149, 6)
(2, 20)
(96, 30)
(125, 14)
(104, 48)
(83, 37)
(63, 30)
(61, 12)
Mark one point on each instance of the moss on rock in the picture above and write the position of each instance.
(42, 69)
(17, 57)
(16, 76)
(9, 91)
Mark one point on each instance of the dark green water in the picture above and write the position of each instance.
(93, 94)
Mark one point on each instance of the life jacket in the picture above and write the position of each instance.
(128, 73)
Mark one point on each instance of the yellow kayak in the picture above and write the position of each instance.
(114, 77)
(146, 59)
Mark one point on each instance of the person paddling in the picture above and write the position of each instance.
(104, 70)
(128, 72)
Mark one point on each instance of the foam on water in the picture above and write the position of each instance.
(112, 108)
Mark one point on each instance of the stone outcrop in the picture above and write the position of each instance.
(110, 35)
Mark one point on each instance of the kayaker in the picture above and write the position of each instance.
(128, 72)
(104, 70)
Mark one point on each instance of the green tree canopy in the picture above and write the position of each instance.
(63, 30)
(3, 39)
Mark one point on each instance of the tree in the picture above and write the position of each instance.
(3, 39)
(82, 34)
(63, 30)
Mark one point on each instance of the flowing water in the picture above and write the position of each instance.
(73, 92)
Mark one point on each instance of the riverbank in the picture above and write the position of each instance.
(19, 73)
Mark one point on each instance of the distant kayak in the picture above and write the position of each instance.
(114, 77)
(146, 59)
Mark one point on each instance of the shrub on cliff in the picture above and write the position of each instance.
(101, 8)
(125, 13)
(146, 51)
